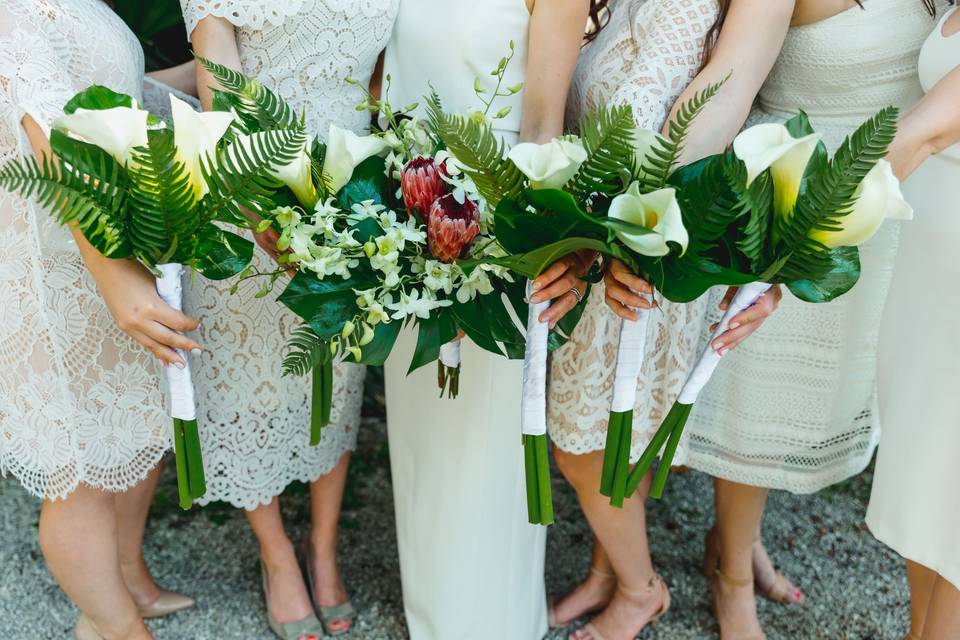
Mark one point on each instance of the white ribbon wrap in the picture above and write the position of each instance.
(533, 404)
(450, 354)
(709, 359)
(179, 383)
(633, 344)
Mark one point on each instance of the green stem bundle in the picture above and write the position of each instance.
(537, 467)
(616, 457)
(191, 483)
(668, 434)
(321, 399)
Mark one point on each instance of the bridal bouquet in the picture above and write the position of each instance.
(139, 188)
(797, 217)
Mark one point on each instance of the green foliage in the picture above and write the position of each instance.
(257, 106)
(96, 207)
(305, 350)
(475, 145)
(829, 195)
(608, 138)
(659, 163)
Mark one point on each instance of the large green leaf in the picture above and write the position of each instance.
(434, 332)
(325, 304)
(470, 319)
(221, 254)
(98, 97)
(838, 281)
(384, 337)
(369, 182)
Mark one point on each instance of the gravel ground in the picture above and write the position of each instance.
(855, 587)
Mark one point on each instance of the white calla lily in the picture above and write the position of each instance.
(657, 211)
(770, 146)
(878, 198)
(346, 150)
(195, 135)
(297, 175)
(550, 165)
(118, 130)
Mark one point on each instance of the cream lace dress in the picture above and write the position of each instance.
(254, 424)
(645, 57)
(79, 400)
(794, 406)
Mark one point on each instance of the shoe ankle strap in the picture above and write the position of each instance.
(602, 574)
(732, 581)
(634, 594)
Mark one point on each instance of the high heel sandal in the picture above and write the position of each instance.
(717, 577)
(590, 632)
(552, 621)
(167, 602)
(337, 620)
(781, 590)
(308, 628)
(84, 629)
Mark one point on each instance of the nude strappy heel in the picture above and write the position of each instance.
(590, 632)
(781, 590)
(337, 620)
(552, 621)
(719, 576)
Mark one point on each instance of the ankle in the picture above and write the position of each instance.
(140, 584)
(322, 544)
(278, 555)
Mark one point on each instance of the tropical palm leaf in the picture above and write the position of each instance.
(306, 350)
(829, 195)
(662, 158)
(97, 207)
(475, 145)
(608, 138)
(259, 107)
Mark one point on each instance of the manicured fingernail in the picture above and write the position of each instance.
(196, 352)
(535, 299)
(723, 352)
(733, 325)
(717, 346)
(536, 286)
(179, 365)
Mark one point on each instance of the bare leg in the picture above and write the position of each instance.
(132, 508)
(593, 593)
(288, 600)
(326, 498)
(79, 541)
(922, 581)
(623, 535)
(943, 614)
(739, 511)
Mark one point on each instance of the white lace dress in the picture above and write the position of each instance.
(254, 424)
(645, 57)
(79, 400)
(794, 406)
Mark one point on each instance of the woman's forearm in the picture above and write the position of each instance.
(929, 127)
(183, 77)
(214, 39)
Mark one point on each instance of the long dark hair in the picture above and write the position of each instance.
(710, 41)
(599, 16)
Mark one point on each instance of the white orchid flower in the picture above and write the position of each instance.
(296, 175)
(878, 198)
(118, 130)
(195, 135)
(657, 211)
(550, 165)
(346, 150)
(770, 146)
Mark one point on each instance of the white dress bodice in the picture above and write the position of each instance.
(79, 400)
(445, 44)
(254, 422)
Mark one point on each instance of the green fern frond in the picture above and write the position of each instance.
(253, 102)
(305, 350)
(475, 145)
(608, 138)
(756, 204)
(241, 179)
(662, 158)
(829, 196)
(96, 207)
(163, 218)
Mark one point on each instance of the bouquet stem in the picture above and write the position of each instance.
(616, 455)
(448, 369)
(533, 417)
(186, 437)
(668, 435)
(321, 400)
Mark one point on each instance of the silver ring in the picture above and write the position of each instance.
(577, 293)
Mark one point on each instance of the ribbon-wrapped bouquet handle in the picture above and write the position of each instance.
(533, 416)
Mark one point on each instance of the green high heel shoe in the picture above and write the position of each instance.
(308, 628)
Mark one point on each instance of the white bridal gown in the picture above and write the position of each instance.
(79, 400)
(645, 57)
(255, 422)
(913, 507)
(794, 406)
(470, 563)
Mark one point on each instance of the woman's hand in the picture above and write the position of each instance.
(747, 321)
(558, 284)
(130, 292)
(624, 289)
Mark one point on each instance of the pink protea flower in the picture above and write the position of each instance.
(421, 183)
(451, 227)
